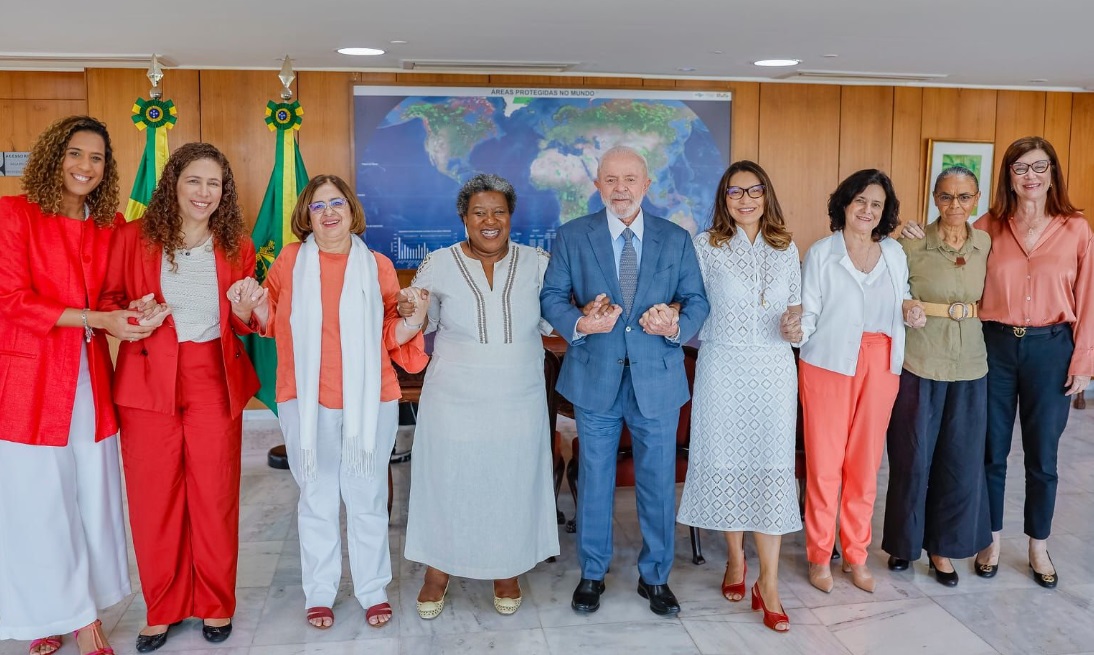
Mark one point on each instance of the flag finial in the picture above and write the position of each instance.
(155, 74)
(287, 76)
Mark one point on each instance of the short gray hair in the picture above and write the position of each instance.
(955, 171)
(618, 151)
(484, 182)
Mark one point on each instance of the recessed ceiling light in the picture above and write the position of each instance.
(829, 56)
(361, 52)
(1038, 80)
(716, 52)
(397, 42)
(686, 69)
(777, 62)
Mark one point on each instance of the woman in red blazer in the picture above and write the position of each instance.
(62, 536)
(181, 392)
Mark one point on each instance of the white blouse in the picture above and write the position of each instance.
(191, 291)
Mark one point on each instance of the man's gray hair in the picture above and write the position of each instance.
(619, 151)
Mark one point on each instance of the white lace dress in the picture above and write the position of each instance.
(741, 464)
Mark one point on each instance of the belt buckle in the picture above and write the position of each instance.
(965, 313)
(1019, 332)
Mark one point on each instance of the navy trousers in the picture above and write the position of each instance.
(937, 497)
(654, 442)
(1027, 374)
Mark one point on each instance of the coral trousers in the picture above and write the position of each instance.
(182, 479)
(845, 419)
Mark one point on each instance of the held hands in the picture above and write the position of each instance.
(121, 324)
(152, 313)
(661, 320)
(1076, 384)
(414, 305)
(790, 326)
(914, 316)
(245, 295)
(599, 317)
(912, 231)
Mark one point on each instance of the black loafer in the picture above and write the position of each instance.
(216, 634)
(985, 570)
(149, 643)
(587, 596)
(1046, 580)
(946, 579)
(662, 600)
(897, 564)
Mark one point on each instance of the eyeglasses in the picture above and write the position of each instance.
(945, 199)
(318, 207)
(736, 192)
(1021, 168)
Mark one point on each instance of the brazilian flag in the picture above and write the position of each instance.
(273, 228)
(154, 117)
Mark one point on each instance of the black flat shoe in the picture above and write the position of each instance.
(662, 600)
(149, 643)
(897, 564)
(587, 596)
(985, 570)
(214, 634)
(946, 579)
(1046, 580)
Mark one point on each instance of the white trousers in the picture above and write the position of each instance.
(62, 536)
(320, 505)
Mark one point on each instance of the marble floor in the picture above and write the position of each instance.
(908, 613)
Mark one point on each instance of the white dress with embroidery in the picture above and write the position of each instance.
(481, 493)
(744, 409)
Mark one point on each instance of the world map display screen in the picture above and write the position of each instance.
(416, 146)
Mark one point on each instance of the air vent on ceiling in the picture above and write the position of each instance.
(860, 76)
(78, 60)
(447, 66)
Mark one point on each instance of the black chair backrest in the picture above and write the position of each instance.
(551, 367)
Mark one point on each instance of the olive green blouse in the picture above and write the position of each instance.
(945, 349)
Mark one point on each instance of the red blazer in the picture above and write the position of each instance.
(41, 275)
(147, 370)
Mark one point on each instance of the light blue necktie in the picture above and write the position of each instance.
(628, 271)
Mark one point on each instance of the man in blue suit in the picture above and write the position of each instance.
(625, 289)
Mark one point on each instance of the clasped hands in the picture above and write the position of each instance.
(790, 326)
(599, 316)
(414, 305)
(142, 317)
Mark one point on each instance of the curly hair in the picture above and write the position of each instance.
(484, 183)
(851, 187)
(772, 222)
(162, 224)
(43, 177)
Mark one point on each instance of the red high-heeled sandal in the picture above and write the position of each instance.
(737, 589)
(771, 619)
(97, 627)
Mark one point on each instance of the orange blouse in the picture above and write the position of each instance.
(1053, 283)
(410, 356)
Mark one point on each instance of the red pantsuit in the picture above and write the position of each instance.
(183, 488)
(180, 407)
(845, 419)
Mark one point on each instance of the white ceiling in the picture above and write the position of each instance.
(999, 43)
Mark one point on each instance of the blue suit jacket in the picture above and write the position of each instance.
(583, 266)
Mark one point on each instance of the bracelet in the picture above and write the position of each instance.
(88, 332)
(411, 327)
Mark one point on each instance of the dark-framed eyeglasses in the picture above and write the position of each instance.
(964, 199)
(754, 191)
(318, 207)
(1039, 166)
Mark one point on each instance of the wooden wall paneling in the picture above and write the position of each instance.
(110, 96)
(375, 78)
(1017, 114)
(866, 129)
(799, 148)
(960, 114)
(659, 83)
(610, 82)
(1058, 125)
(21, 121)
(34, 85)
(442, 79)
(524, 81)
(1080, 186)
(909, 152)
(326, 135)
(746, 121)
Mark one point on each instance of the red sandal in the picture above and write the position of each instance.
(320, 613)
(376, 611)
(97, 627)
(54, 644)
(777, 621)
(734, 592)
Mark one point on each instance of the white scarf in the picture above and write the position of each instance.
(360, 324)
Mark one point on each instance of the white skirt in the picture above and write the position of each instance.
(62, 537)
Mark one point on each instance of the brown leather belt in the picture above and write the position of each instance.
(957, 311)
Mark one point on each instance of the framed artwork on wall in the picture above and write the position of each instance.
(973, 155)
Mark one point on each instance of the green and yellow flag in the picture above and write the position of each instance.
(273, 229)
(154, 117)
